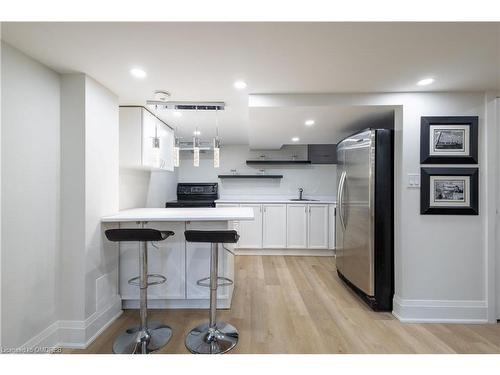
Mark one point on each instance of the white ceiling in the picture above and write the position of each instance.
(332, 123)
(200, 61)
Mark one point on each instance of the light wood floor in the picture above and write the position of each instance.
(299, 305)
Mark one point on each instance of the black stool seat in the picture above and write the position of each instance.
(137, 234)
(212, 236)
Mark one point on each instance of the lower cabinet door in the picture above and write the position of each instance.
(331, 226)
(318, 226)
(198, 263)
(296, 226)
(251, 230)
(274, 226)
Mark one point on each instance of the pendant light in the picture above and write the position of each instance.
(156, 148)
(216, 143)
(196, 148)
(177, 148)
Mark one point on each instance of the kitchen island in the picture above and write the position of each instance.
(182, 263)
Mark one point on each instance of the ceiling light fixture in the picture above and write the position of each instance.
(196, 149)
(309, 122)
(162, 95)
(177, 148)
(216, 143)
(425, 82)
(240, 85)
(295, 139)
(138, 73)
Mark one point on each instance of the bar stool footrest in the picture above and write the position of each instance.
(221, 281)
(160, 280)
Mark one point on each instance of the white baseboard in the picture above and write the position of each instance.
(80, 334)
(440, 311)
(48, 338)
(287, 252)
(76, 334)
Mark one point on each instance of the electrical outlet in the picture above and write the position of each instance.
(413, 180)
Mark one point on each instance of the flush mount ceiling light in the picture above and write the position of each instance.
(425, 82)
(162, 95)
(177, 114)
(295, 139)
(309, 122)
(240, 85)
(138, 73)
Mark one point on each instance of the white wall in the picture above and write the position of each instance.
(72, 259)
(316, 180)
(89, 263)
(140, 188)
(30, 196)
(443, 263)
(101, 194)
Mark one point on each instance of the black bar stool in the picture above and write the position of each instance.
(212, 337)
(148, 336)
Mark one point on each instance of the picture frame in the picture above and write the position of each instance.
(449, 140)
(449, 191)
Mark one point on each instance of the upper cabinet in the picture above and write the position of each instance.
(322, 154)
(145, 141)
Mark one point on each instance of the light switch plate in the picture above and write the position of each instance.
(413, 180)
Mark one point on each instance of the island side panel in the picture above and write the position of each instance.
(180, 262)
(198, 267)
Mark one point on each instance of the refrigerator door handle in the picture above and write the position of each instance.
(341, 198)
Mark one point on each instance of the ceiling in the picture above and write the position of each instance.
(332, 123)
(200, 61)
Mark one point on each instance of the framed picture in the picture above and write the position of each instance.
(449, 191)
(448, 140)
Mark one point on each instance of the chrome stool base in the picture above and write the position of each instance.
(205, 340)
(133, 339)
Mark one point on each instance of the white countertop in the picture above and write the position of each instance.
(270, 199)
(181, 214)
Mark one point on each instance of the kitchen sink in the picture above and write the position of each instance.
(303, 200)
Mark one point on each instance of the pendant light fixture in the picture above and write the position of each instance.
(216, 142)
(156, 148)
(177, 148)
(196, 149)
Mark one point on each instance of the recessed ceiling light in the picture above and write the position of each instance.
(295, 139)
(138, 73)
(196, 132)
(425, 81)
(240, 85)
(177, 114)
(309, 122)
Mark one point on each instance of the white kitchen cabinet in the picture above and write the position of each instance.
(331, 226)
(274, 226)
(251, 231)
(317, 223)
(168, 260)
(297, 215)
(198, 263)
(138, 130)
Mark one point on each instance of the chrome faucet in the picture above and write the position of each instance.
(300, 193)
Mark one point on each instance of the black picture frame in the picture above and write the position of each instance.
(470, 122)
(426, 208)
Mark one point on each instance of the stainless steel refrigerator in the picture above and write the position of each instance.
(364, 216)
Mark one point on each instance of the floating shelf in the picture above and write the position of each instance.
(250, 176)
(260, 162)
